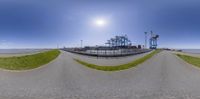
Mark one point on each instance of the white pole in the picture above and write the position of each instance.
(145, 39)
(81, 43)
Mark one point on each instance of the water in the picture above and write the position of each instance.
(18, 51)
(191, 50)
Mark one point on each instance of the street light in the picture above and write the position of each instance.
(145, 39)
(81, 43)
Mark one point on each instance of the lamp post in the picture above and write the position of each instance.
(145, 39)
(57, 46)
(81, 43)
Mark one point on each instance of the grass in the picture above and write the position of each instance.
(28, 61)
(190, 59)
(119, 67)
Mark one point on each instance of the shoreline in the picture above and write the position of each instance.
(21, 53)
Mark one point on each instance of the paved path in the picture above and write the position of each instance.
(164, 76)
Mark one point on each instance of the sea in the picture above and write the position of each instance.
(19, 51)
(197, 51)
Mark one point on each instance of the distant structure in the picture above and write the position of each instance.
(145, 45)
(153, 41)
(81, 43)
(119, 41)
(116, 46)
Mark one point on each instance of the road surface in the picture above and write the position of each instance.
(164, 76)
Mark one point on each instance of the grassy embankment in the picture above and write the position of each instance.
(118, 67)
(190, 59)
(28, 61)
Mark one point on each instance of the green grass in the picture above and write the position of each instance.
(119, 67)
(28, 61)
(190, 59)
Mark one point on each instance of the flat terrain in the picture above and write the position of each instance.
(28, 61)
(11, 54)
(164, 76)
(189, 54)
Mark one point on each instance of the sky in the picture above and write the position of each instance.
(52, 23)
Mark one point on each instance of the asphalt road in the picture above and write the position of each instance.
(164, 76)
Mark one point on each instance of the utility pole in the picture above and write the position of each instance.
(57, 46)
(145, 39)
(81, 43)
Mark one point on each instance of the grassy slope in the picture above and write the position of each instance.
(118, 67)
(192, 60)
(28, 61)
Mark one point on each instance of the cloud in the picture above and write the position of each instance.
(5, 44)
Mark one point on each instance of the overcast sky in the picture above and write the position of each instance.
(48, 23)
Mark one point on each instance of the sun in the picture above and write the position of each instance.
(100, 22)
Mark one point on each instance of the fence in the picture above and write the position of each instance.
(110, 53)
